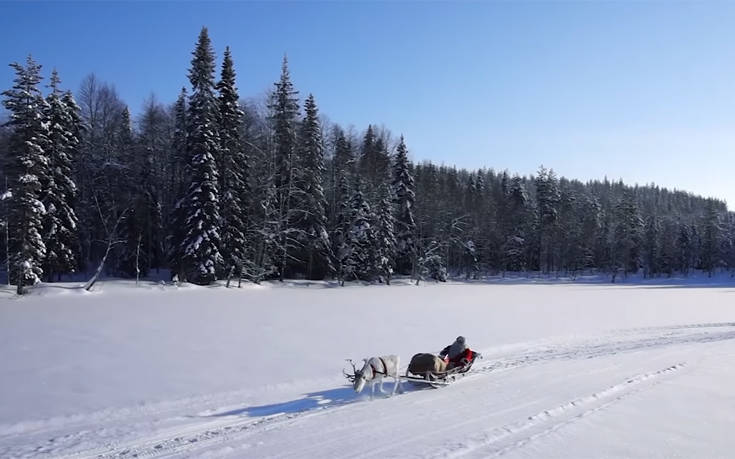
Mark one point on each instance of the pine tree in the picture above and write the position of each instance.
(202, 241)
(651, 250)
(180, 177)
(234, 168)
(710, 239)
(343, 156)
(60, 222)
(359, 250)
(667, 242)
(685, 249)
(385, 234)
(28, 169)
(590, 233)
(142, 226)
(548, 198)
(403, 187)
(120, 195)
(627, 238)
(284, 108)
(340, 236)
(311, 220)
(368, 155)
(515, 238)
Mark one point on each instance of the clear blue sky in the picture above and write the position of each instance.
(639, 91)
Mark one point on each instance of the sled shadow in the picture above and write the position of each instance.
(311, 401)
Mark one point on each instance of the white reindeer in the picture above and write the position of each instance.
(373, 372)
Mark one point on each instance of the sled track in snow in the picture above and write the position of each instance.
(200, 431)
(504, 439)
(677, 335)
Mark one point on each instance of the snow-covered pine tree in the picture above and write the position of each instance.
(340, 235)
(310, 217)
(667, 246)
(405, 225)
(627, 237)
(548, 198)
(60, 222)
(570, 251)
(180, 177)
(728, 242)
(590, 232)
(118, 196)
(201, 206)
(234, 189)
(385, 238)
(27, 170)
(179, 159)
(284, 108)
(515, 247)
(382, 163)
(360, 244)
(711, 232)
(651, 246)
(685, 253)
(344, 158)
(367, 159)
(143, 223)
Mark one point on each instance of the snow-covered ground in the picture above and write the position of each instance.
(580, 369)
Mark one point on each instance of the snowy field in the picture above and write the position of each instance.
(570, 370)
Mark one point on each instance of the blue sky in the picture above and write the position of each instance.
(639, 91)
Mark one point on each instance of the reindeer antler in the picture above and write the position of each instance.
(350, 377)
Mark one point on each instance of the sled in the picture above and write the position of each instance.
(418, 372)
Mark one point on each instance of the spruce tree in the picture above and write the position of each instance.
(201, 244)
(60, 222)
(360, 257)
(340, 236)
(685, 249)
(515, 242)
(28, 170)
(711, 231)
(548, 198)
(368, 155)
(627, 237)
(143, 223)
(405, 226)
(651, 246)
(284, 108)
(385, 234)
(342, 167)
(311, 219)
(181, 175)
(233, 171)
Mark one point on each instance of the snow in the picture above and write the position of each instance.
(570, 369)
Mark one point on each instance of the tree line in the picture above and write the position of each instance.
(216, 187)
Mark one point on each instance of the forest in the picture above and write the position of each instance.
(221, 187)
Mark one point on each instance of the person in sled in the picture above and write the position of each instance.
(457, 354)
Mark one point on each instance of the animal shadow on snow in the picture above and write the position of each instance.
(310, 401)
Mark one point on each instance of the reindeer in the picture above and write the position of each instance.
(373, 371)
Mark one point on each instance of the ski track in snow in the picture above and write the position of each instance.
(114, 433)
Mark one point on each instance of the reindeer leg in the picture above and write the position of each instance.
(397, 385)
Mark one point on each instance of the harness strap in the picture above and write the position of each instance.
(385, 368)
